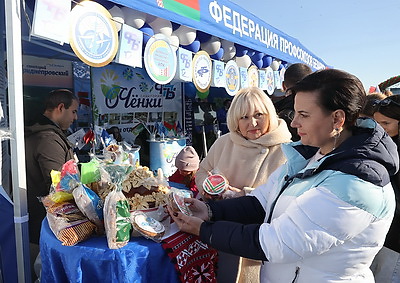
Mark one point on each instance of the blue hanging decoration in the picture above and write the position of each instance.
(194, 46)
(218, 55)
(267, 61)
(240, 50)
(203, 37)
(147, 33)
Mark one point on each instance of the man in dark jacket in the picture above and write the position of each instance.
(47, 148)
(285, 107)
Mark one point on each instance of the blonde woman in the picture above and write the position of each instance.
(245, 156)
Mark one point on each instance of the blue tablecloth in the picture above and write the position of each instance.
(142, 260)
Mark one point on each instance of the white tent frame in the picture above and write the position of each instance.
(18, 173)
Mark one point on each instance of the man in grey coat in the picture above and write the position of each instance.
(47, 148)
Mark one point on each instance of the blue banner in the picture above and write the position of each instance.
(229, 21)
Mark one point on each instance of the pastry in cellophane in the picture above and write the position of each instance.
(117, 220)
(147, 226)
(67, 222)
(176, 200)
(116, 208)
(91, 206)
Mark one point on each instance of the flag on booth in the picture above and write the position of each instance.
(187, 8)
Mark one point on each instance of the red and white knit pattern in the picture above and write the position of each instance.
(194, 261)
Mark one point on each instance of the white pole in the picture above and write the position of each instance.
(15, 96)
(204, 140)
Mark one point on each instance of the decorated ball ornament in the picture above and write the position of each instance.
(275, 65)
(147, 32)
(133, 17)
(251, 52)
(203, 37)
(243, 61)
(229, 50)
(267, 61)
(212, 45)
(117, 16)
(174, 41)
(194, 46)
(258, 64)
(186, 35)
(218, 55)
(257, 56)
(240, 50)
(202, 95)
(160, 25)
(190, 90)
(175, 26)
(389, 82)
(229, 53)
(257, 59)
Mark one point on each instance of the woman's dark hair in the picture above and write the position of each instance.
(336, 90)
(58, 96)
(370, 105)
(390, 107)
(295, 73)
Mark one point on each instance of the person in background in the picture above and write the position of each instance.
(246, 156)
(387, 261)
(324, 214)
(284, 107)
(114, 130)
(371, 103)
(47, 148)
(187, 161)
(221, 116)
(387, 92)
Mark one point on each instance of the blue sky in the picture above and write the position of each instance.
(359, 36)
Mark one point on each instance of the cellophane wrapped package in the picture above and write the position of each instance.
(116, 208)
(91, 206)
(147, 226)
(65, 219)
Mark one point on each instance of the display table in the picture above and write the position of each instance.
(142, 260)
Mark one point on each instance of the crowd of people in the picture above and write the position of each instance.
(313, 180)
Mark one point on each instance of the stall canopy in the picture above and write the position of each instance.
(222, 19)
(228, 21)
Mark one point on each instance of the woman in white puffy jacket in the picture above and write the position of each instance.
(323, 215)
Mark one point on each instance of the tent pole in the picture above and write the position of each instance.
(15, 97)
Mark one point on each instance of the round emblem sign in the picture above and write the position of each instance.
(160, 60)
(232, 78)
(253, 76)
(202, 71)
(94, 36)
(269, 76)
